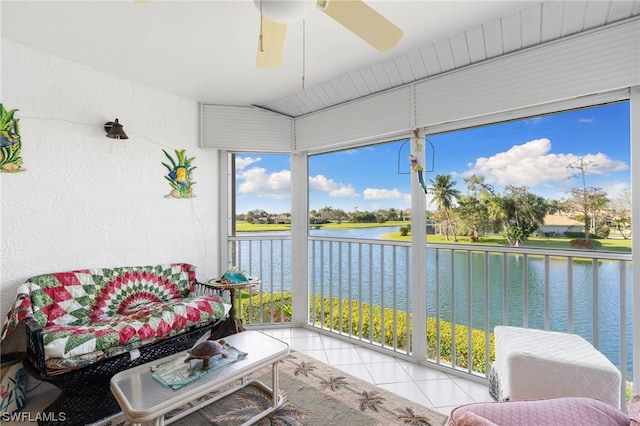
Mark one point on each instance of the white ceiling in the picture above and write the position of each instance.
(206, 50)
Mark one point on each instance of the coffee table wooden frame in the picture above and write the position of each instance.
(145, 401)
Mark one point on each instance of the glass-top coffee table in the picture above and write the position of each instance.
(145, 400)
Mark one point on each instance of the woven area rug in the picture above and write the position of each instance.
(315, 394)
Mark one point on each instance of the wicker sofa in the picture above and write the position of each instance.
(86, 325)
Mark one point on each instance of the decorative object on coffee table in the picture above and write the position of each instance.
(180, 371)
(204, 349)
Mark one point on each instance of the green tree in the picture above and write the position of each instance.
(523, 212)
(444, 195)
(620, 210)
(364, 217)
(392, 214)
(472, 215)
(517, 210)
(581, 197)
(473, 211)
(598, 202)
(255, 215)
(326, 213)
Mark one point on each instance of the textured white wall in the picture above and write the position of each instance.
(89, 201)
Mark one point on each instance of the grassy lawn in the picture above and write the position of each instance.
(348, 225)
(242, 226)
(609, 244)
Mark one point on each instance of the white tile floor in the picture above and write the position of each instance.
(424, 385)
(418, 383)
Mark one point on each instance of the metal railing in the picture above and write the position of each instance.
(269, 259)
(362, 289)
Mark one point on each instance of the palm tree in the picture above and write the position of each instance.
(444, 194)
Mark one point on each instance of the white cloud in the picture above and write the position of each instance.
(258, 181)
(384, 194)
(615, 189)
(343, 191)
(277, 185)
(331, 187)
(243, 162)
(603, 165)
(531, 164)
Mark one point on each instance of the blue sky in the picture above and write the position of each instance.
(532, 152)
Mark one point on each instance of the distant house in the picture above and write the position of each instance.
(281, 219)
(556, 225)
(431, 227)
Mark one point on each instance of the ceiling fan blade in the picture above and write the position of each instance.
(271, 43)
(363, 21)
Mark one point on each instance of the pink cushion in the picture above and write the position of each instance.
(633, 409)
(470, 419)
(548, 412)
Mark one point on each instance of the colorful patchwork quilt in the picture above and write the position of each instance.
(93, 311)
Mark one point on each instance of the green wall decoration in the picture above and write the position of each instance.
(180, 175)
(10, 143)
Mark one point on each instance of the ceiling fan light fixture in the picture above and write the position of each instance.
(285, 11)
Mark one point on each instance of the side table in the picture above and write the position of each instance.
(232, 324)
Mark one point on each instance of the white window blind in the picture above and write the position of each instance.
(239, 128)
(604, 62)
(377, 117)
(599, 61)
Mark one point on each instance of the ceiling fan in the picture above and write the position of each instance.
(355, 15)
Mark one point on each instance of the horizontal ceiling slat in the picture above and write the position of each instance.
(298, 103)
(324, 95)
(430, 59)
(622, 9)
(511, 33)
(475, 42)
(445, 57)
(573, 19)
(350, 88)
(392, 73)
(381, 76)
(370, 79)
(360, 83)
(403, 68)
(531, 21)
(552, 20)
(311, 101)
(460, 50)
(493, 38)
(416, 64)
(339, 91)
(596, 14)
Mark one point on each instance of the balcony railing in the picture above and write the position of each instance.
(362, 289)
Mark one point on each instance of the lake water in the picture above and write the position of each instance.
(376, 281)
